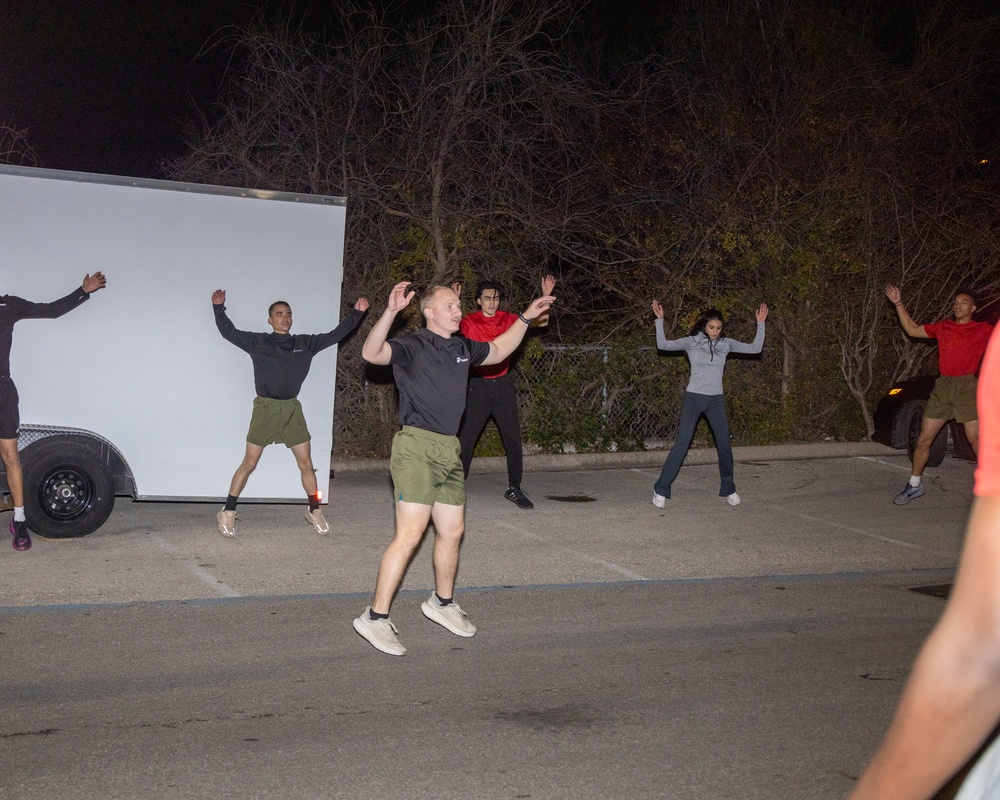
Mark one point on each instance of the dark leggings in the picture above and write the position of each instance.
(713, 406)
(493, 397)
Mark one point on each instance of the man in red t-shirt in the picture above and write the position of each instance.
(961, 344)
(491, 391)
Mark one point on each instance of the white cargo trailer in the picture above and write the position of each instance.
(135, 392)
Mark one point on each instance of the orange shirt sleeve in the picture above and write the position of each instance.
(988, 402)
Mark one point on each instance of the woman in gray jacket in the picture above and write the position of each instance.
(706, 349)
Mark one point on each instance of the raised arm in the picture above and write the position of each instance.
(346, 327)
(758, 341)
(376, 349)
(912, 329)
(507, 342)
(242, 339)
(662, 342)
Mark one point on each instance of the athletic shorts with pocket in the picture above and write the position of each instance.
(954, 397)
(277, 421)
(426, 468)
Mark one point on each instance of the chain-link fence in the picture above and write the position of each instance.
(572, 398)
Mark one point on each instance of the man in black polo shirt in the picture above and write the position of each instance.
(431, 368)
(12, 310)
(281, 363)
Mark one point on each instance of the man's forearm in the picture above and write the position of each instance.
(508, 341)
(377, 336)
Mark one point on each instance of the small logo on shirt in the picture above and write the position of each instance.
(460, 360)
(296, 351)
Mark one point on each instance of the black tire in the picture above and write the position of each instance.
(68, 491)
(906, 427)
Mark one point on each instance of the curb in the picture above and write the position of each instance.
(572, 462)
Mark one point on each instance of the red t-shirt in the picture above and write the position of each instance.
(481, 328)
(960, 345)
(988, 401)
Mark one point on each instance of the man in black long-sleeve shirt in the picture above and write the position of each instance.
(12, 310)
(280, 365)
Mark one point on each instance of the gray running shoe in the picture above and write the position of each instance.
(226, 523)
(659, 500)
(450, 616)
(909, 493)
(733, 499)
(380, 633)
(318, 521)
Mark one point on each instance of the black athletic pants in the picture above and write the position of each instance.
(493, 397)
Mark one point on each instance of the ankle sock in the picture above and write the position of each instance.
(19, 514)
(314, 502)
(374, 616)
(441, 601)
(914, 480)
(231, 501)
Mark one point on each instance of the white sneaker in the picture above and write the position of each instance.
(380, 633)
(318, 521)
(450, 616)
(659, 500)
(226, 523)
(733, 499)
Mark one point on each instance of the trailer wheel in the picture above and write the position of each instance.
(68, 491)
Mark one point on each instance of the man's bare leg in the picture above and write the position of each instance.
(12, 465)
(971, 429)
(243, 472)
(411, 524)
(929, 429)
(303, 457)
(449, 524)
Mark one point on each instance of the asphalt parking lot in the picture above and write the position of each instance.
(695, 651)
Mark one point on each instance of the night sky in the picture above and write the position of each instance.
(112, 86)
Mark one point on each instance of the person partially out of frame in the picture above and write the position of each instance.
(12, 310)
(951, 702)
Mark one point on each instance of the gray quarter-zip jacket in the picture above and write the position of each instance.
(708, 358)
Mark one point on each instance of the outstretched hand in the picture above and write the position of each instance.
(91, 283)
(762, 312)
(895, 296)
(362, 304)
(219, 297)
(548, 284)
(398, 297)
(539, 306)
(657, 309)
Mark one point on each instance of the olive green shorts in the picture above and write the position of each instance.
(426, 468)
(954, 397)
(278, 421)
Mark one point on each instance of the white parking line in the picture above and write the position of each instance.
(874, 460)
(575, 553)
(200, 573)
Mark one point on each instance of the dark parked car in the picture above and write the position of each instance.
(897, 421)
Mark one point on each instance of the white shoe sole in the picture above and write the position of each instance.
(369, 637)
(434, 615)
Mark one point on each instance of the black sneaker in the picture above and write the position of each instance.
(518, 497)
(19, 530)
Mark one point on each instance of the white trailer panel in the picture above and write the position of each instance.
(142, 364)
